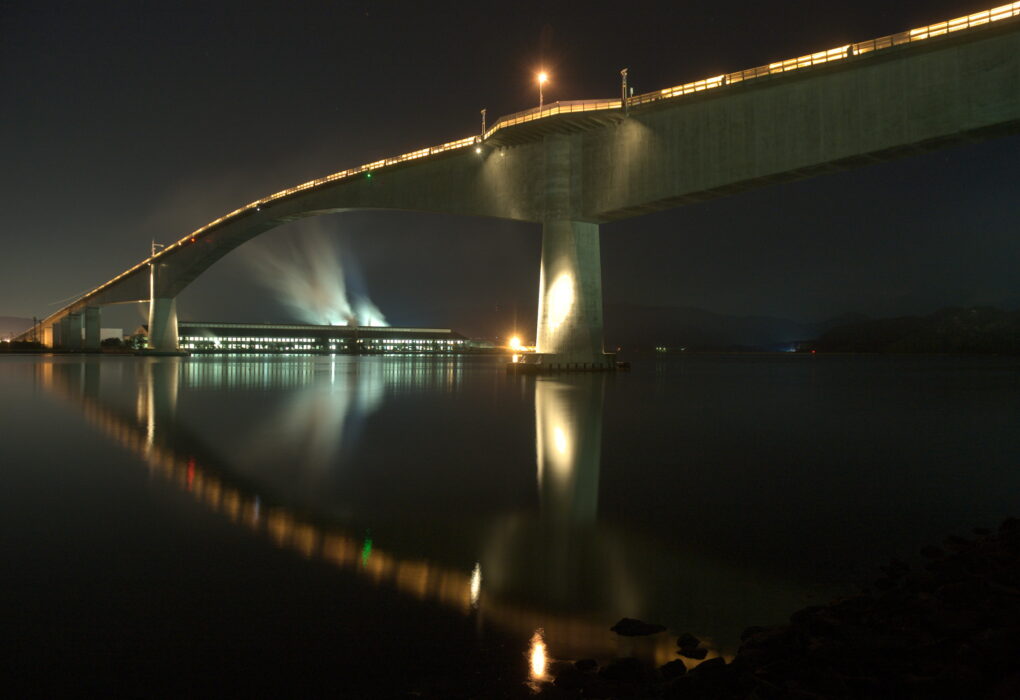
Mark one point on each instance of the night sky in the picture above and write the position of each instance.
(127, 122)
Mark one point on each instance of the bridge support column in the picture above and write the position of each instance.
(73, 339)
(570, 296)
(57, 332)
(92, 329)
(163, 324)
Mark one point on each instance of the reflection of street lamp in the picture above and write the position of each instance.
(543, 77)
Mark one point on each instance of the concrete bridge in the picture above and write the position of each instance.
(571, 166)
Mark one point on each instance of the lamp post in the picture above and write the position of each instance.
(623, 90)
(543, 77)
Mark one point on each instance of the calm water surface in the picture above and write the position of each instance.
(388, 526)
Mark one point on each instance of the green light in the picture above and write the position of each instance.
(368, 175)
(366, 551)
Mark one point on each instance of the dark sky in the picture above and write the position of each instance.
(126, 122)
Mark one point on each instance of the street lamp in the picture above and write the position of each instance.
(623, 91)
(543, 77)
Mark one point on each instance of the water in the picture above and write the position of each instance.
(384, 526)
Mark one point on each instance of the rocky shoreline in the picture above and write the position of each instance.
(949, 629)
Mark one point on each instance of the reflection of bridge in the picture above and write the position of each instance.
(557, 568)
(151, 432)
(573, 165)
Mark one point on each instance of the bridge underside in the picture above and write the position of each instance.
(572, 172)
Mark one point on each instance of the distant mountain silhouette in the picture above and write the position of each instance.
(641, 327)
(952, 330)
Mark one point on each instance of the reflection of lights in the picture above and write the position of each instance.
(366, 551)
(424, 580)
(537, 656)
(515, 358)
(476, 584)
(515, 343)
(561, 301)
(560, 440)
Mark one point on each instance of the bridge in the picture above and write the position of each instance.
(572, 166)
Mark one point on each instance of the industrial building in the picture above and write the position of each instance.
(200, 337)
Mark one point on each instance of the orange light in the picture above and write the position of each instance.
(543, 78)
(537, 656)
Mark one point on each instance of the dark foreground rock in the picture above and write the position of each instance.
(629, 627)
(948, 630)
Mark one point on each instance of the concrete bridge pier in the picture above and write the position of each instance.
(163, 324)
(57, 331)
(73, 339)
(570, 297)
(162, 311)
(92, 330)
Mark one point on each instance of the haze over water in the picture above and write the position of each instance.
(408, 524)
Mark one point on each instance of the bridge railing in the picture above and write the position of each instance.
(552, 109)
(835, 54)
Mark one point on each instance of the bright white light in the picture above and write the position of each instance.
(478, 149)
(561, 301)
(476, 584)
(515, 343)
(560, 440)
(543, 78)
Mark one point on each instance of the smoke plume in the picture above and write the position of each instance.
(306, 273)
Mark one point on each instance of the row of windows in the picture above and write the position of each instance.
(369, 341)
(333, 344)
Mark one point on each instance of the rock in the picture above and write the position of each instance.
(570, 679)
(625, 670)
(751, 632)
(885, 583)
(673, 669)
(693, 653)
(711, 670)
(687, 641)
(895, 569)
(629, 627)
(955, 543)
(1008, 688)
(932, 552)
(1010, 525)
(585, 664)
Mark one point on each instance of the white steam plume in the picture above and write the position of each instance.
(308, 278)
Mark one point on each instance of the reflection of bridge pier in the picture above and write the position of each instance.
(559, 557)
(568, 443)
(156, 404)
